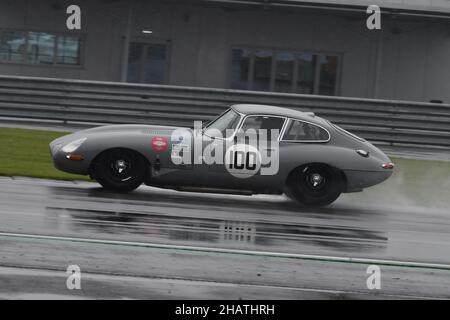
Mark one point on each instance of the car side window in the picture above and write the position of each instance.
(303, 131)
(263, 122)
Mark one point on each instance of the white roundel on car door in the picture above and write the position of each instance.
(242, 160)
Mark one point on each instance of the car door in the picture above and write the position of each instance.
(252, 141)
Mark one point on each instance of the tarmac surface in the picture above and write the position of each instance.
(164, 244)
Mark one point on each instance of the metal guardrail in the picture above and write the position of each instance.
(379, 121)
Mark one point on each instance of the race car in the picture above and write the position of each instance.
(304, 156)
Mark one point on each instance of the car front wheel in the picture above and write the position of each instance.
(120, 170)
(314, 185)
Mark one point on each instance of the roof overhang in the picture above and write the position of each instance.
(425, 9)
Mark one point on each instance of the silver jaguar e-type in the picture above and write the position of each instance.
(302, 155)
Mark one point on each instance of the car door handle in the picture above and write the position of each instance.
(270, 149)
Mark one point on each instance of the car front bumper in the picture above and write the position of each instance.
(63, 163)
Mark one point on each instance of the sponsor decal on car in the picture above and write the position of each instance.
(181, 145)
(160, 144)
(243, 153)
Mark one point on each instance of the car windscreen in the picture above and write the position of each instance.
(227, 121)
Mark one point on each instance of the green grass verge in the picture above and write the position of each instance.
(415, 182)
(26, 152)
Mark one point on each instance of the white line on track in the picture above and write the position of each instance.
(9, 271)
(395, 263)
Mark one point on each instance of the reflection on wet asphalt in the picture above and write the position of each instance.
(215, 230)
(267, 223)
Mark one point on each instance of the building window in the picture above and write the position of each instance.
(328, 75)
(284, 71)
(12, 47)
(68, 50)
(305, 73)
(240, 67)
(262, 67)
(147, 63)
(40, 48)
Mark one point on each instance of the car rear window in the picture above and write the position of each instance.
(346, 132)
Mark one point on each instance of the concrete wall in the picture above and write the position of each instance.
(413, 60)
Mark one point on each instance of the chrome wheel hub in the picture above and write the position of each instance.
(316, 179)
(120, 166)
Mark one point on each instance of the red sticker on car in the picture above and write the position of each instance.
(160, 144)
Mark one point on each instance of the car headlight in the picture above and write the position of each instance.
(72, 146)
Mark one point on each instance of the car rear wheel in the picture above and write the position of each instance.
(314, 185)
(120, 170)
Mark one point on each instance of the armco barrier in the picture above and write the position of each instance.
(380, 121)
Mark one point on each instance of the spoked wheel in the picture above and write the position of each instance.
(120, 170)
(314, 185)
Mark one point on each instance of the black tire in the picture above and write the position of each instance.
(120, 170)
(314, 185)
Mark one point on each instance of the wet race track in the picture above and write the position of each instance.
(156, 243)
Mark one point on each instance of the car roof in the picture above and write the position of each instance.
(260, 109)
